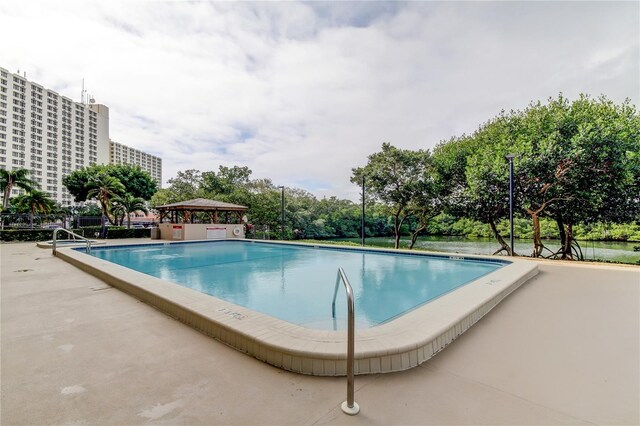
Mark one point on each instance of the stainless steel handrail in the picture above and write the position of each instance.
(73, 234)
(349, 406)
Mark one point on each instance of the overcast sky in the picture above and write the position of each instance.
(303, 92)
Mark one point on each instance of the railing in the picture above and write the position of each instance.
(349, 406)
(73, 234)
(47, 221)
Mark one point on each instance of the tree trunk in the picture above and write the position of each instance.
(7, 194)
(561, 231)
(537, 241)
(396, 231)
(397, 224)
(105, 212)
(503, 245)
(414, 236)
(567, 246)
(128, 221)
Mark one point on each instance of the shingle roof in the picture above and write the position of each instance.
(201, 204)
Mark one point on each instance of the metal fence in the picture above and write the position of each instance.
(46, 221)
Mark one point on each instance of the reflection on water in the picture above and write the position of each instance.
(593, 250)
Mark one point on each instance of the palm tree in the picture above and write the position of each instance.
(11, 178)
(34, 202)
(118, 211)
(127, 204)
(104, 188)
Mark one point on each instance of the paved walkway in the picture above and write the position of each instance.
(563, 349)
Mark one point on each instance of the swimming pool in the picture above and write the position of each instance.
(397, 343)
(295, 282)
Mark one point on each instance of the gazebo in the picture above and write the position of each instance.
(178, 221)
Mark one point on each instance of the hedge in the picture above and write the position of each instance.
(89, 232)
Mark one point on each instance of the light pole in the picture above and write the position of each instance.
(282, 207)
(362, 210)
(510, 158)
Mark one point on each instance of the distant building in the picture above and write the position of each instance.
(122, 154)
(52, 136)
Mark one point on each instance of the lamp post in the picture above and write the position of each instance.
(282, 210)
(510, 158)
(363, 211)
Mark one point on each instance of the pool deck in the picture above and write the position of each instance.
(562, 349)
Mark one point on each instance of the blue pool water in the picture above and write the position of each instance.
(296, 283)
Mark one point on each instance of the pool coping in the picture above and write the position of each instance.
(400, 344)
(69, 243)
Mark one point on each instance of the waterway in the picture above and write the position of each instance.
(612, 251)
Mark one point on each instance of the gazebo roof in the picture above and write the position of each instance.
(202, 204)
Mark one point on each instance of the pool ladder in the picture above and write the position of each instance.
(349, 406)
(73, 234)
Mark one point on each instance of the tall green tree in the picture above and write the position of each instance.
(574, 162)
(14, 178)
(187, 185)
(393, 177)
(428, 201)
(473, 175)
(105, 188)
(35, 201)
(576, 166)
(127, 205)
(226, 180)
(136, 181)
(599, 143)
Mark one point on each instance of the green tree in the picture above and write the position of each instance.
(164, 196)
(187, 185)
(600, 144)
(14, 178)
(574, 162)
(127, 204)
(428, 200)
(35, 201)
(227, 180)
(136, 181)
(575, 165)
(392, 176)
(104, 188)
(473, 177)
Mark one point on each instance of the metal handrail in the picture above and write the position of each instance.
(73, 234)
(349, 406)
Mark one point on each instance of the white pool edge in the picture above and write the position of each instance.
(400, 344)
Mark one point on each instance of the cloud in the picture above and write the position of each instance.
(303, 92)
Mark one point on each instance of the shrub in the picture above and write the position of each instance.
(26, 235)
(88, 232)
(114, 232)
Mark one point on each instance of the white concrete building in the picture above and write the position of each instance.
(122, 154)
(52, 136)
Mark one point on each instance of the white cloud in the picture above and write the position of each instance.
(303, 92)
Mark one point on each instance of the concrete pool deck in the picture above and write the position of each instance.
(562, 349)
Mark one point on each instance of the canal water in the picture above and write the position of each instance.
(594, 250)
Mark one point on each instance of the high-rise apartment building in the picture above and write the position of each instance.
(122, 154)
(52, 136)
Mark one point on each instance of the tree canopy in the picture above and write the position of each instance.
(135, 181)
(14, 178)
(400, 180)
(576, 164)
